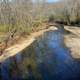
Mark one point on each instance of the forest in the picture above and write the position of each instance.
(19, 18)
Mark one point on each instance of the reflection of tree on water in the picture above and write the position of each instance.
(31, 76)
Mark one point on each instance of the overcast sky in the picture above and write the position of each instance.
(49, 0)
(53, 0)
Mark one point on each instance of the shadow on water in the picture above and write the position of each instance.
(47, 58)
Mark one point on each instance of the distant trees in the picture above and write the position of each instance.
(20, 17)
(68, 11)
(73, 10)
(77, 11)
(24, 15)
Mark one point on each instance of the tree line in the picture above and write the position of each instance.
(20, 17)
(68, 11)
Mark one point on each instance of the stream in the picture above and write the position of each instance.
(47, 58)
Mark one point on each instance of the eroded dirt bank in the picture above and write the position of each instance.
(72, 40)
(15, 49)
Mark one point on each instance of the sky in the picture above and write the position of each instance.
(49, 0)
(53, 0)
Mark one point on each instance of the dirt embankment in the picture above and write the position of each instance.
(24, 43)
(72, 41)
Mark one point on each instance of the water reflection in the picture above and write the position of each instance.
(46, 59)
(66, 68)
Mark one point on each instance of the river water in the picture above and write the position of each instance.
(48, 58)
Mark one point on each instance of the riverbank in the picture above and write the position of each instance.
(17, 48)
(72, 39)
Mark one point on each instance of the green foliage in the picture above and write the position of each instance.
(51, 18)
(37, 24)
(2, 38)
(4, 28)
